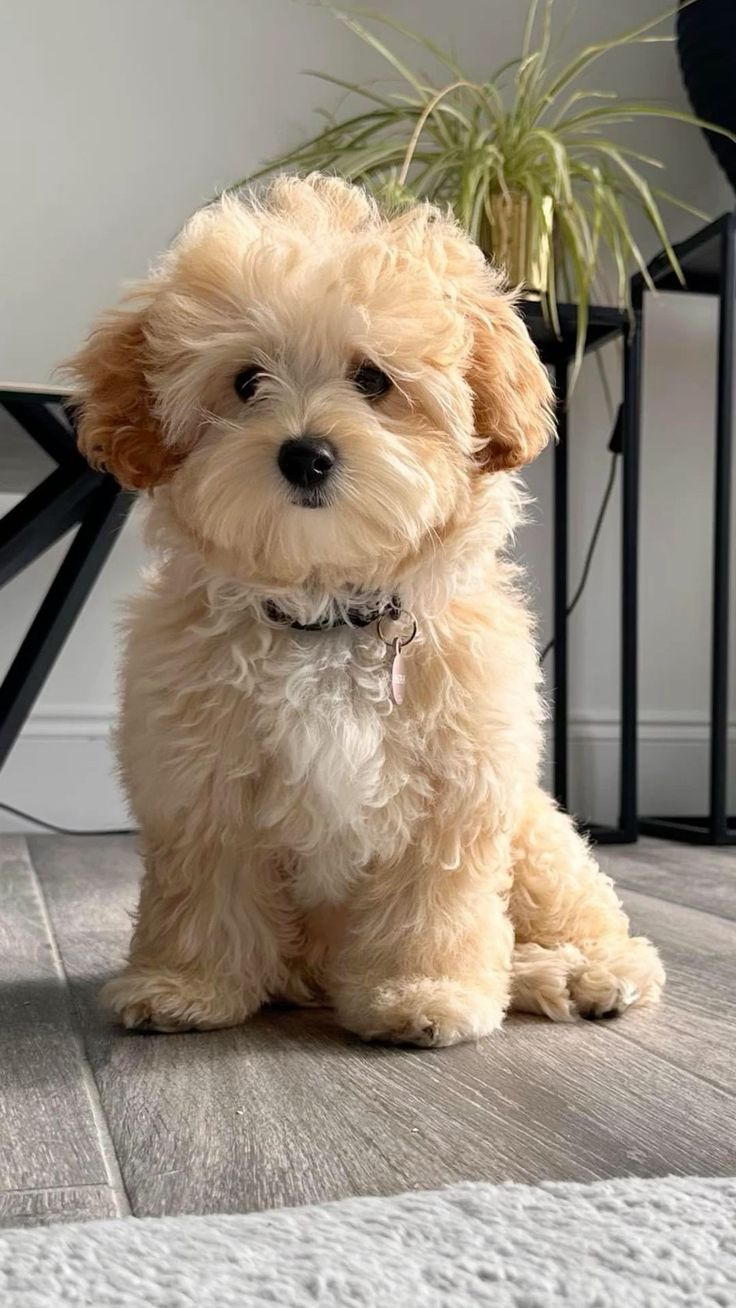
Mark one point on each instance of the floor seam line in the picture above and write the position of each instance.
(57, 1189)
(110, 1161)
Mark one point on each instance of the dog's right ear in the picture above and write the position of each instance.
(118, 431)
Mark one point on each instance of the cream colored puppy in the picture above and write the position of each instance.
(326, 406)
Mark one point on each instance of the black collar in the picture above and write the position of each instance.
(353, 616)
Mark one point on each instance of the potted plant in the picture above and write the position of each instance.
(524, 158)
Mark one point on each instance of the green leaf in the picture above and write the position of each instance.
(533, 64)
(558, 154)
(531, 18)
(498, 72)
(585, 57)
(648, 201)
(577, 264)
(412, 108)
(480, 191)
(594, 143)
(579, 95)
(422, 182)
(640, 109)
(386, 53)
(370, 121)
(627, 239)
(614, 245)
(355, 87)
(434, 104)
(413, 35)
(682, 204)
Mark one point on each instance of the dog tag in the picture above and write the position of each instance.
(398, 674)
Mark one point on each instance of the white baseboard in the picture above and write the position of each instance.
(654, 725)
(93, 722)
(62, 767)
(673, 764)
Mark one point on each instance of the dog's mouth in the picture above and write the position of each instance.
(312, 497)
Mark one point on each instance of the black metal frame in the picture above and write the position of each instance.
(605, 324)
(708, 261)
(71, 495)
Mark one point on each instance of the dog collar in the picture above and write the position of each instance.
(353, 616)
(357, 616)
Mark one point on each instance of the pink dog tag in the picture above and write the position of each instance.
(396, 644)
(398, 675)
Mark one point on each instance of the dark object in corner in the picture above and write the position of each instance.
(706, 45)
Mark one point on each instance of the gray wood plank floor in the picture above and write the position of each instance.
(52, 1133)
(288, 1110)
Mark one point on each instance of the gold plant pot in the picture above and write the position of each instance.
(519, 239)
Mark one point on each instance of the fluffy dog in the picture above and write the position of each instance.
(327, 406)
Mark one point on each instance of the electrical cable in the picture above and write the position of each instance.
(66, 831)
(614, 446)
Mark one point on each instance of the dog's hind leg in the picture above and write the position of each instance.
(574, 955)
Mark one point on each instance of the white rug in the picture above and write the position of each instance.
(615, 1244)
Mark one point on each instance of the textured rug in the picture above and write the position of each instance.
(615, 1244)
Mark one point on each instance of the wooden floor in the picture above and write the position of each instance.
(95, 1122)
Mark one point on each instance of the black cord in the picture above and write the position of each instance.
(591, 550)
(66, 831)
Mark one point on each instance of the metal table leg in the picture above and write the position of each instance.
(100, 526)
(628, 823)
(708, 260)
(560, 586)
(722, 541)
(46, 514)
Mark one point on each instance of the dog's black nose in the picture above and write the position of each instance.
(306, 461)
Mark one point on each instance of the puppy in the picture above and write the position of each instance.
(330, 729)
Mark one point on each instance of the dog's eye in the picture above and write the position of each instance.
(246, 383)
(370, 381)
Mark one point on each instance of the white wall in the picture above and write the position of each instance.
(119, 119)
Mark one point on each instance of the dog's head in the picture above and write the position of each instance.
(317, 390)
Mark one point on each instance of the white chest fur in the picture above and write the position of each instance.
(337, 758)
(288, 742)
(292, 735)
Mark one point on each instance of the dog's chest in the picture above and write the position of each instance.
(336, 757)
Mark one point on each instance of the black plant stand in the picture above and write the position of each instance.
(605, 324)
(708, 261)
(71, 495)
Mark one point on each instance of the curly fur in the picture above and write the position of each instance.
(302, 836)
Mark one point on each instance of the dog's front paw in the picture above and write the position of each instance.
(168, 1001)
(425, 1011)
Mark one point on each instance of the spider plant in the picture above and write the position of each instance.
(524, 159)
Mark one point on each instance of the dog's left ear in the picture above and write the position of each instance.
(512, 395)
